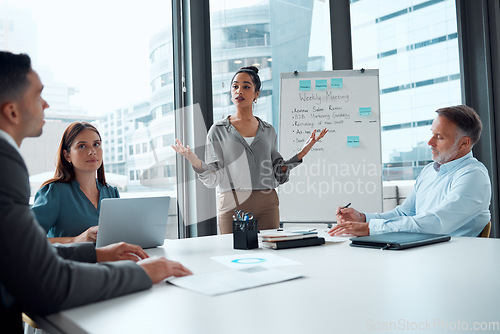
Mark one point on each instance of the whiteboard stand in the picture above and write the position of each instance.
(346, 165)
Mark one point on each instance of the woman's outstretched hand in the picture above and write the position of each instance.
(310, 143)
(187, 153)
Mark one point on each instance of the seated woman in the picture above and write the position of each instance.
(67, 206)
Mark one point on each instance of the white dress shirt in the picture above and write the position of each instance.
(9, 140)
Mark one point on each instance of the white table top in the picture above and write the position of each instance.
(345, 290)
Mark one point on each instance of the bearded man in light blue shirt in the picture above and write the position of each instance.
(451, 195)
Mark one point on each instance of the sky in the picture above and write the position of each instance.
(101, 47)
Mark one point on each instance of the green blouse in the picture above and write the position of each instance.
(63, 210)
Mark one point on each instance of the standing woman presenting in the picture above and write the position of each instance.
(241, 158)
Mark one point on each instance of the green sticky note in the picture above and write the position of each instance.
(365, 111)
(321, 84)
(353, 141)
(337, 83)
(305, 85)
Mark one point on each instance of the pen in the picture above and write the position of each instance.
(344, 207)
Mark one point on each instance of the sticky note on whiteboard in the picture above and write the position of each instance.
(337, 83)
(305, 85)
(365, 111)
(353, 141)
(321, 84)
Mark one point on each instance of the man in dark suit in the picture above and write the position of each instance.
(35, 277)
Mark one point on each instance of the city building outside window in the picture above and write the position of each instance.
(274, 36)
(414, 44)
(101, 71)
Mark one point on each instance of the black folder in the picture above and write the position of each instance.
(398, 240)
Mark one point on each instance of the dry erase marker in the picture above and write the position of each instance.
(344, 207)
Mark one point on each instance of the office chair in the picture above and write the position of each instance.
(485, 233)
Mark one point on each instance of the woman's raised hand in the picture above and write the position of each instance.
(310, 142)
(187, 153)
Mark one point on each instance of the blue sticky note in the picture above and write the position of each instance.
(321, 84)
(365, 111)
(353, 141)
(337, 83)
(305, 85)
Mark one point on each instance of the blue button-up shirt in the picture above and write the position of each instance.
(452, 198)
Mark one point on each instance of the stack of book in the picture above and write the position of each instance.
(290, 239)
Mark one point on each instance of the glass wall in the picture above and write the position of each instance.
(109, 63)
(414, 44)
(276, 37)
(114, 69)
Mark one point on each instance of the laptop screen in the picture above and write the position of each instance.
(138, 221)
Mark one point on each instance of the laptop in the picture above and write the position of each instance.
(398, 240)
(138, 221)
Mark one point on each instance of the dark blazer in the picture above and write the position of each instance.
(37, 278)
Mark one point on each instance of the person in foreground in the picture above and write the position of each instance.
(451, 196)
(36, 277)
(68, 205)
(242, 160)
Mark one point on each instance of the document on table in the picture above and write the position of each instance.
(221, 282)
(329, 238)
(244, 260)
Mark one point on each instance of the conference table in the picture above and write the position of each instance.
(448, 287)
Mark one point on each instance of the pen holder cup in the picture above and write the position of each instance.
(245, 234)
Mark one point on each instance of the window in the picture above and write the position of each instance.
(415, 47)
(274, 36)
(102, 73)
(247, 35)
(168, 140)
(167, 108)
(162, 81)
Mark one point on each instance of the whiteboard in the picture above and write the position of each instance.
(346, 165)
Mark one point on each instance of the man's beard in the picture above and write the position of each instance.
(444, 157)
